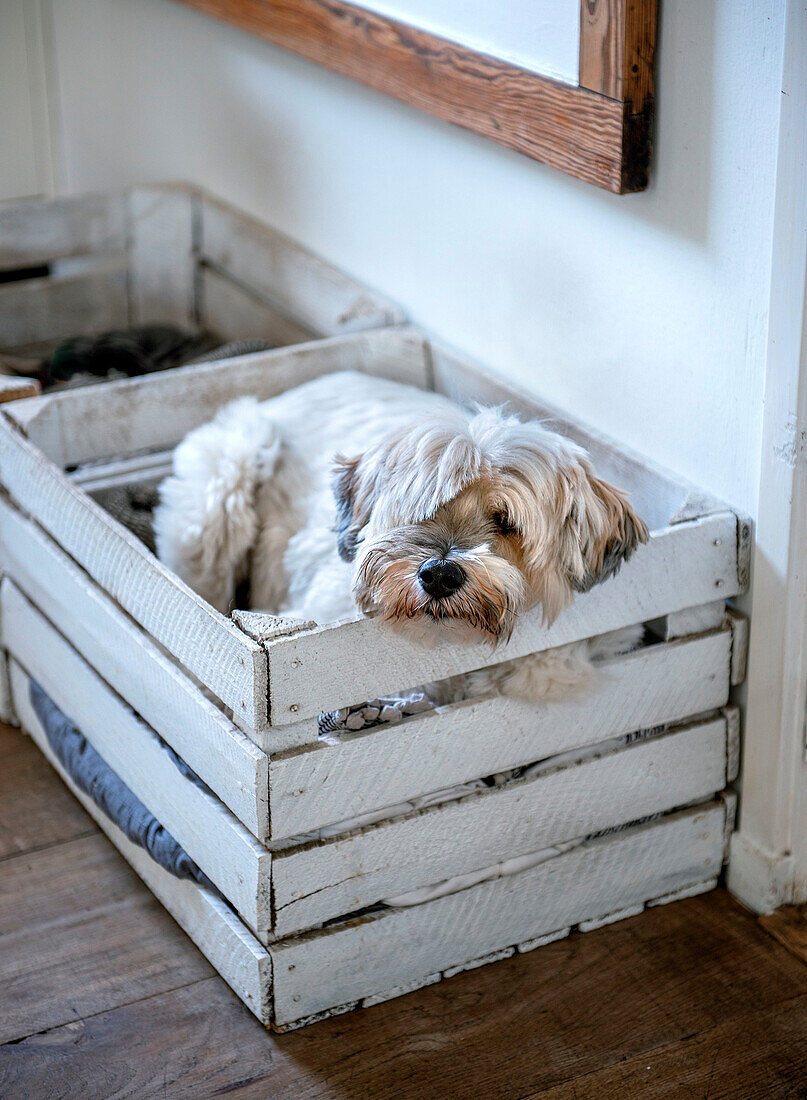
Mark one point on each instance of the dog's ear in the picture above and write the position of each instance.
(351, 516)
(602, 531)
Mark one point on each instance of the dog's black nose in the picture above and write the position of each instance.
(440, 578)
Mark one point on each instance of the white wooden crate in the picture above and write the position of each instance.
(373, 957)
(171, 254)
(133, 656)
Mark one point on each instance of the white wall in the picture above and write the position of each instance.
(644, 314)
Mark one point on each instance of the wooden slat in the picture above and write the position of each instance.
(345, 963)
(616, 59)
(212, 837)
(319, 882)
(78, 426)
(740, 629)
(387, 765)
(348, 962)
(309, 292)
(561, 125)
(131, 663)
(692, 620)
(37, 232)
(207, 644)
(333, 666)
(234, 313)
(162, 278)
(214, 928)
(64, 305)
(13, 388)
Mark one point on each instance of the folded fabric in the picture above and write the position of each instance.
(92, 775)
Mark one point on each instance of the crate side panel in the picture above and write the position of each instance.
(214, 928)
(233, 313)
(319, 882)
(37, 232)
(162, 288)
(208, 832)
(303, 286)
(158, 410)
(372, 954)
(658, 684)
(63, 305)
(137, 669)
(207, 644)
(330, 667)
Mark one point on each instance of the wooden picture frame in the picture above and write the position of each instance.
(598, 130)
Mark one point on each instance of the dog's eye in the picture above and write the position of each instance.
(503, 524)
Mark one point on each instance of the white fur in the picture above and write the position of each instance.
(251, 498)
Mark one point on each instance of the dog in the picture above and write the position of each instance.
(355, 492)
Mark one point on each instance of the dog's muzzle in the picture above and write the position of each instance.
(440, 578)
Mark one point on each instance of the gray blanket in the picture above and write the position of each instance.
(92, 775)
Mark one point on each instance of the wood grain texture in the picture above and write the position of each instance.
(35, 809)
(768, 1056)
(63, 305)
(56, 907)
(535, 1021)
(387, 764)
(15, 389)
(349, 961)
(617, 55)
(207, 644)
(788, 925)
(602, 26)
(211, 836)
(570, 128)
(39, 232)
(209, 921)
(157, 410)
(319, 882)
(137, 669)
(356, 959)
(531, 1023)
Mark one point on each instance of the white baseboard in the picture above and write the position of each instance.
(761, 880)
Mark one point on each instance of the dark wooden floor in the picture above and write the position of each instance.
(102, 996)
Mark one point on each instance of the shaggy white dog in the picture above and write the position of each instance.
(358, 492)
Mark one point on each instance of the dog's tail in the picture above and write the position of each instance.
(206, 521)
(569, 671)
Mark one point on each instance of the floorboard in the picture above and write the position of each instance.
(103, 996)
(788, 925)
(36, 809)
(761, 1057)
